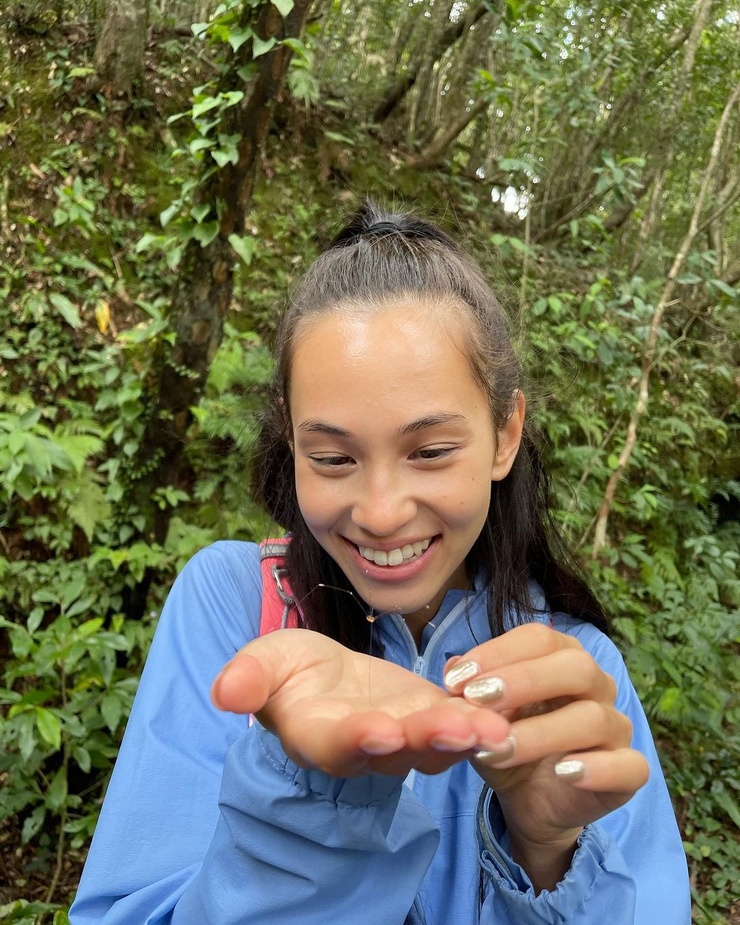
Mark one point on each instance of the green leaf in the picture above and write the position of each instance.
(169, 213)
(224, 156)
(32, 825)
(174, 256)
(243, 247)
(261, 46)
(42, 455)
(336, 136)
(200, 211)
(79, 448)
(724, 287)
(238, 36)
(247, 71)
(56, 795)
(112, 710)
(297, 47)
(232, 97)
(89, 507)
(725, 799)
(148, 241)
(205, 233)
(205, 105)
(200, 144)
(90, 627)
(49, 727)
(66, 309)
(82, 757)
(17, 441)
(669, 700)
(283, 6)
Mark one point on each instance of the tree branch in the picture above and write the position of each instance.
(443, 139)
(647, 361)
(403, 84)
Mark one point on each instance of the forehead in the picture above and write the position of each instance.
(401, 357)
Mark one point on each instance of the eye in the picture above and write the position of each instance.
(433, 452)
(331, 462)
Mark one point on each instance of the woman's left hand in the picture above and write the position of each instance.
(569, 762)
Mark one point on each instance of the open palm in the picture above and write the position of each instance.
(347, 713)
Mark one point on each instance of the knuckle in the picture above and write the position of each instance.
(583, 671)
(624, 727)
(586, 667)
(596, 714)
(539, 636)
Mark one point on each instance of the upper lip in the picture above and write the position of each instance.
(387, 547)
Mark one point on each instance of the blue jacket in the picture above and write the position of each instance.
(207, 822)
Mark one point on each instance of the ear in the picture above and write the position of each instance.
(508, 439)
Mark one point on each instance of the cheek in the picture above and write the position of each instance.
(306, 497)
(472, 505)
(316, 500)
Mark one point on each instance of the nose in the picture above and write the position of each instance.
(383, 505)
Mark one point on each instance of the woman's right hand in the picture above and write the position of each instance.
(349, 714)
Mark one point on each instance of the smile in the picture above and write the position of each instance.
(394, 557)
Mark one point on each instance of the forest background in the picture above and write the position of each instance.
(168, 166)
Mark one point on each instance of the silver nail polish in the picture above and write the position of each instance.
(570, 770)
(484, 690)
(464, 671)
(501, 751)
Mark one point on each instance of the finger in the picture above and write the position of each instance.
(267, 662)
(243, 685)
(454, 726)
(342, 747)
(578, 726)
(616, 774)
(570, 673)
(522, 643)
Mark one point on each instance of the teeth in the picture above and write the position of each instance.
(394, 556)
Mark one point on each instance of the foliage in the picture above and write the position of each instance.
(575, 191)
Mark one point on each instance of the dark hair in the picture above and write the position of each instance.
(378, 256)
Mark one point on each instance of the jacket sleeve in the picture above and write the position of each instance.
(628, 869)
(206, 822)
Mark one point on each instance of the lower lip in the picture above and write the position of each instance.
(390, 573)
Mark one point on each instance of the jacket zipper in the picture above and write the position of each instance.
(420, 662)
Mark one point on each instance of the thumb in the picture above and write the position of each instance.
(243, 685)
(256, 672)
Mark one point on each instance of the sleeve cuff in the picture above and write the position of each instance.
(368, 790)
(595, 857)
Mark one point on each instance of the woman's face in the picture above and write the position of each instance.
(394, 451)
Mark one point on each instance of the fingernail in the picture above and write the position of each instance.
(452, 744)
(498, 751)
(484, 690)
(381, 746)
(570, 770)
(463, 671)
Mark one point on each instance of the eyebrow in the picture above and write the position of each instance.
(312, 426)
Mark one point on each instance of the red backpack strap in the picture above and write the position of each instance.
(279, 608)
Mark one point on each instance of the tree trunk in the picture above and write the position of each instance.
(202, 296)
(119, 54)
(406, 81)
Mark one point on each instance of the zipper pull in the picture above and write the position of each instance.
(419, 665)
